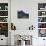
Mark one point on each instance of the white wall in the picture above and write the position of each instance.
(32, 5)
(23, 24)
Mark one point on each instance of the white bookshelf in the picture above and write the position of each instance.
(42, 18)
(4, 17)
(2, 42)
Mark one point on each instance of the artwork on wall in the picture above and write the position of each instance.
(23, 13)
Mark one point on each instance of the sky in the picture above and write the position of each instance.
(24, 9)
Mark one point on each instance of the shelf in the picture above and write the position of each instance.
(3, 16)
(3, 10)
(41, 22)
(41, 10)
(41, 28)
(3, 22)
(42, 16)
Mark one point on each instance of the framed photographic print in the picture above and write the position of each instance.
(23, 14)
